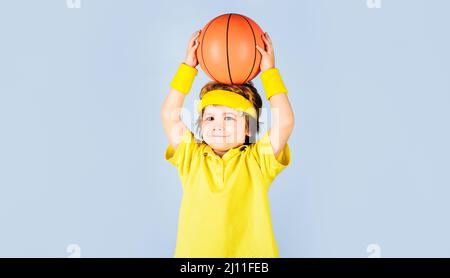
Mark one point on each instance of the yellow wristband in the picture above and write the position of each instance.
(183, 79)
(272, 83)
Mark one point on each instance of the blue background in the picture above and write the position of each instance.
(81, 143)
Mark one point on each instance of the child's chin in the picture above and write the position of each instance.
(221, 146)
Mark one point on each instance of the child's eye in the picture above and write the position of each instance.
(228, 118)
(209, 119)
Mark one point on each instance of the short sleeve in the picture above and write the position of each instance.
(270, 165)
(182, 156)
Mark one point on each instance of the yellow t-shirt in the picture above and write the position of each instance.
(225, 207)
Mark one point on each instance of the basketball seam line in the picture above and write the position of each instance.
(228, 59)
(254, 56)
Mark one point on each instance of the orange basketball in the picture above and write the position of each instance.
(227, 52)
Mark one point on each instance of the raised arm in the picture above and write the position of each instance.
(180, 86)
(281, 111)
(282, 122)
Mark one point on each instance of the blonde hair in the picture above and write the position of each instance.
(246, 90)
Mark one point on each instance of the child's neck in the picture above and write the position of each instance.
(220, 153)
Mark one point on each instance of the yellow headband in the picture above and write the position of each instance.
(227, 98)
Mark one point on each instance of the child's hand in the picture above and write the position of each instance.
(191, 56)
(268, 57)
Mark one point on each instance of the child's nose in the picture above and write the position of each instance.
(219, 126)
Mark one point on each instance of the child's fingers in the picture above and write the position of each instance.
(197, 43)
(194, 37)
(193, 46)
(268, 37)
(197, 34)
(267, 41)
(261, 50)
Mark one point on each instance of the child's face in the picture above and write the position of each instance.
(223, 127)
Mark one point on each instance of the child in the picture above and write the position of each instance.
(226, 177)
